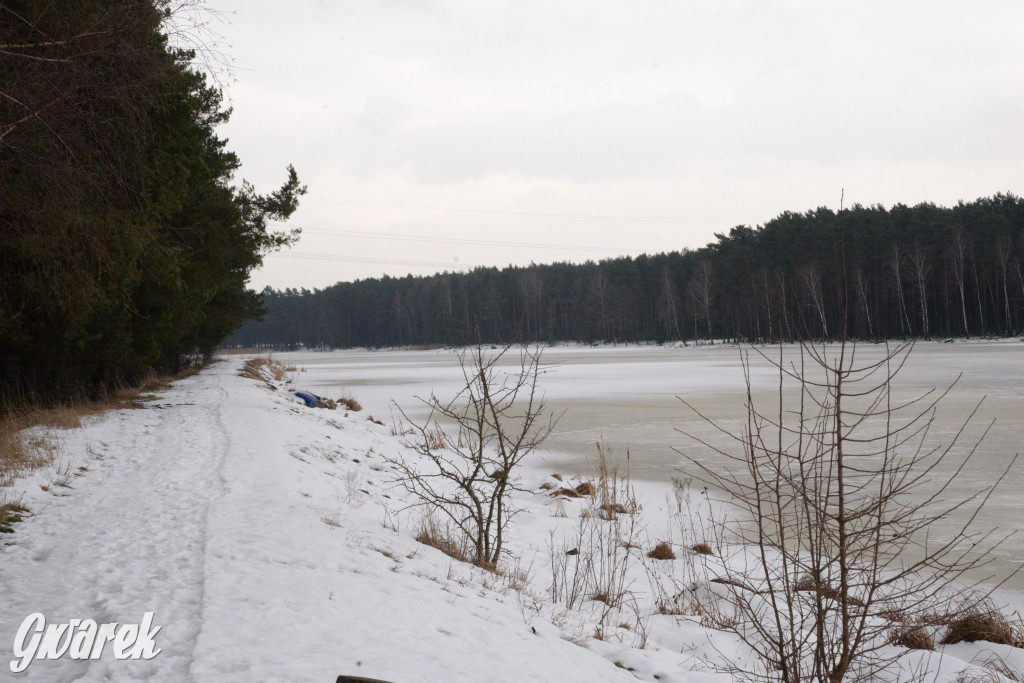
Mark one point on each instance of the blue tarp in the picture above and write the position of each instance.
(309, 399)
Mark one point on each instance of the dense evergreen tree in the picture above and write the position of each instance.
(910, 271)
(124, 244)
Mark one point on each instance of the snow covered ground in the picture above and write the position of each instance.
(272, 545)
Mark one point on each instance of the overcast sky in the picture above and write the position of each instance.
(441, 135)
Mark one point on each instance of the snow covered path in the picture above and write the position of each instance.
(128, 536)
(252, 528)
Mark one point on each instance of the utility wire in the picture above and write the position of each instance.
(455, 240)
(306, 256)
(538, 214)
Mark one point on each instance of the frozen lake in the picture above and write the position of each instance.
(628, 396)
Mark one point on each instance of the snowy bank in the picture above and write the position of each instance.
(271, 544)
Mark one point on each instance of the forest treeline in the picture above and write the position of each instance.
(124, 244)
(921, 271)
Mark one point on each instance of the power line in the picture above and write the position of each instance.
(456, 240)
(536, 214)
(306, 256)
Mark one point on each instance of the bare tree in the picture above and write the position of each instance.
(598, 291)
(860, 282)
(667, 308)
(920, 266)
(958, 250)
(700, 289)
(839, 484)
(896, 268)
(466, 472)
(1003, 252)
(811, 276)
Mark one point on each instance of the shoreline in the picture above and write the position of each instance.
(270, 544)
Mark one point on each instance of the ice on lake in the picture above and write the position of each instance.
(630, 397)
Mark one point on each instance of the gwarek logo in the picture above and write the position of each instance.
(82, 639)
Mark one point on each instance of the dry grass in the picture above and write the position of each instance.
(583, 490)
(912, 637)
(10, 513)
(662, 551)
(436, 535)
(702, 549)
(807, 583)
(735, 583)
(983, 622)
(21, 453)
(264, 369)
(714, 618)
(435, 438)
(610, 509)
(350, 403)
(990, 669)
(998, 665)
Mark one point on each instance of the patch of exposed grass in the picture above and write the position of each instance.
(332, 521)
(386, 553)
(985, 622)
(662, 551)
(11, 513)
(20, 453)
(263, 369)
(350, 403)
(436, 535)
(912, 637)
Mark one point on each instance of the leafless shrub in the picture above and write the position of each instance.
(838, 483)
(596, 562)
(714, 617)
(572, 576)
(682, 587)
(468, 473)
(613, 494)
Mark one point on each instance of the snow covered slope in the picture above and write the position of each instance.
(253, 528)
(269, 542)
